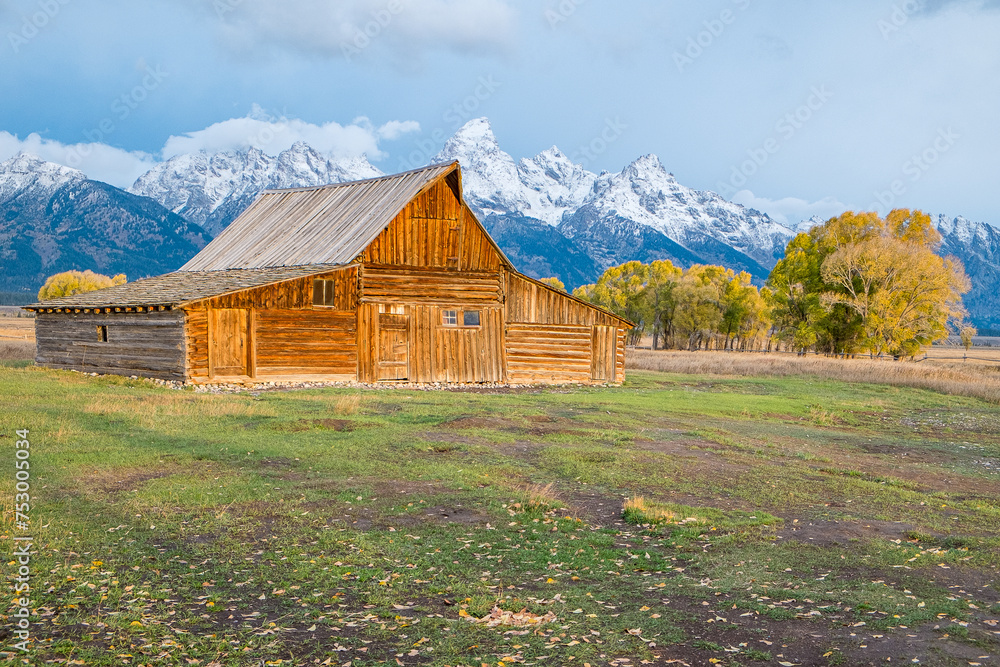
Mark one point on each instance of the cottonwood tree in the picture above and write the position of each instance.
(861, 282)
(68, 283)
(622, 290)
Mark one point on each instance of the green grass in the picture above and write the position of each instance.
(369, 526)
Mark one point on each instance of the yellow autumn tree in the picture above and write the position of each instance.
(887, 271)
(622, 290)
(554, 282)
(68, 283)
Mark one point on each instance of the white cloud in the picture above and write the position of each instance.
(790, 211)
(394, 129)
(273, 135)
(100, 162)
(347, 28)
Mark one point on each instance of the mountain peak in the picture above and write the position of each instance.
(649, 165)
(477, 129)
(27, 163)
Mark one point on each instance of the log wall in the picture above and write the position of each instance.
(287, 336)
(405, 285)
(144, 344)
(552, 337)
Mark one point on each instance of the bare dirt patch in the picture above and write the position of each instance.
(837, 533)
(482, 423)
(113, 481)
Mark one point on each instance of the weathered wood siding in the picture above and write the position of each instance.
(433, 257)
(411, 342)
(529, 302)
(435, 230)
(287, 336)
(144, 344)
(551, 337)
(548, 353)
(409, 285)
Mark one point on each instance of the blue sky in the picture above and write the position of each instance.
(796, 107)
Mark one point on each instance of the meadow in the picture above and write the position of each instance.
(705, 517)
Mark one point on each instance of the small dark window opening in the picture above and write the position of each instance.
(323, 292)
(450, 318)
(102, 333)
(470, 318)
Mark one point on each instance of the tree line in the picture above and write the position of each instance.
(858, 283)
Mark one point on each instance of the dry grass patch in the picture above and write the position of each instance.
(973, 380)
(637, 508)
(347, 405)
(536, 497)
(17, 350)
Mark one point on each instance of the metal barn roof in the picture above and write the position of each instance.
(329, 224)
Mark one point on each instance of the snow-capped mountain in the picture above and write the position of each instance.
(211, 190)
(641, 213)
(54, 219)
(544, 188)
(977, 245)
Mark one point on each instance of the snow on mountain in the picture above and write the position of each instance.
(977, 246)
(544, 188)
(646, 193)
(25, 172)
(550, 215)
(806, 225)
(605, 214)
(53, 219)
(211, 190)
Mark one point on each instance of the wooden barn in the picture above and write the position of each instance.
(390, 279)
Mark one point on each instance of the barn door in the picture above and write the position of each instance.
(228, 349)
(603, 347)
(393, 346)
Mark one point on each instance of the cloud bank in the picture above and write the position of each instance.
(274, 134)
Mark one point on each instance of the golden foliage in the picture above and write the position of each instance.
(554, 282)
(69, 283)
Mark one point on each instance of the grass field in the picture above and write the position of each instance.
(788, 520)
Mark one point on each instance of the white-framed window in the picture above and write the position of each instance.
(449, 318)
